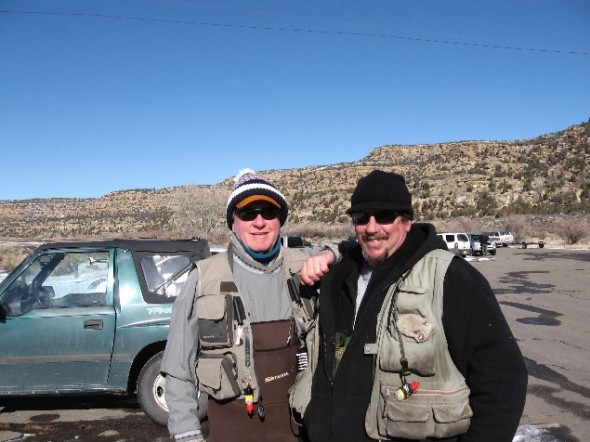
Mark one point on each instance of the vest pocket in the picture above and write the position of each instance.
(427, 413)
(419, 354)
(217, 375)
(410, 298)
(215, 315)
(451, 416)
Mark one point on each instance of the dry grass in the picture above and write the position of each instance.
(11, 255)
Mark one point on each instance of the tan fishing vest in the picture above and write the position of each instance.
(410, 334)
(225, 365)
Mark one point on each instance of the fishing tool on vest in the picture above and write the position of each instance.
(260, 410)
(239, 335)
(249, 400)
(242, 336)
(406, 390)
(251, 406)
(302, 358)
(239, 315)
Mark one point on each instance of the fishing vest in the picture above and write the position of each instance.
(411, 348)
(225, 365)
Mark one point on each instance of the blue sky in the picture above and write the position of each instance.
(105, 95)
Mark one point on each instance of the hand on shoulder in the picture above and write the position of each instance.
(316, 266)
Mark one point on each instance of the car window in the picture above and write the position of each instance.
(59, 279)
(165, 274)
(462, 237)
(294, 241)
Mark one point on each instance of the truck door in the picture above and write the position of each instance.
(59, 327)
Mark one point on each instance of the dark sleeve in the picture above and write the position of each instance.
(486, 353)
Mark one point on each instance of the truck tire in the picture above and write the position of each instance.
(150, 391)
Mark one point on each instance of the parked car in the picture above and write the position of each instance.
(475, 242)
(502, 237)
(456, 242)
(295, 241)
(218, 249)
(93, 317)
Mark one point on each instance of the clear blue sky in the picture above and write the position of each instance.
(105, 95)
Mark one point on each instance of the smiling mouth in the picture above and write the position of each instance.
(374, 238)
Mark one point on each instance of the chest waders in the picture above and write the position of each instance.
(239, 360)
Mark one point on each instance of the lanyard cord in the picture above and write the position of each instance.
(392, 318)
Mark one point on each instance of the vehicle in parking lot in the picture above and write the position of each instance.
(93, 317)
(457, 242)
(475, 242)
(295, 241)
(502, 238)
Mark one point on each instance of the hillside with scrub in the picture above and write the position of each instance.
(471, 184)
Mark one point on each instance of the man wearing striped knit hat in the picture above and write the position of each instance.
(237, 330)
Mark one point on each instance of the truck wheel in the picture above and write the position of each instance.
(524, 245)
(541, 245)
(150, 391)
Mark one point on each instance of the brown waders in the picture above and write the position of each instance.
(275, 349)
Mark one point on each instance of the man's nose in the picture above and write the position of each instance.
(372, 225)
(259, 220)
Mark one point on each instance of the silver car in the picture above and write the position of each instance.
(475, 243)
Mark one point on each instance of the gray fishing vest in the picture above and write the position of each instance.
(225, 365)
(411, 342)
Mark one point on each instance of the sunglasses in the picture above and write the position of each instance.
(381, 217)
(250, 213)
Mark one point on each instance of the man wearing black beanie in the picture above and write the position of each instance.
(412, 342)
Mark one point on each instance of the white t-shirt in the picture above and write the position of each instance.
(363, 282)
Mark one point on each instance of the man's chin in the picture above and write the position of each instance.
(260, 246)
(373, 260)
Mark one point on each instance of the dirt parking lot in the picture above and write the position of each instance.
(543, 293)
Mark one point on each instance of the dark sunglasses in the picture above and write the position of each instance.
(250, 213)
(381, 217)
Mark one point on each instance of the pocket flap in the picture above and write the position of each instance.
(211, 307)
(449, 413)
(209, 372)
(404, 287)
(406, 411)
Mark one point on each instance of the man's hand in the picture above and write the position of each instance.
(316, 266)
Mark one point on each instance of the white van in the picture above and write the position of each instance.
(457, 242)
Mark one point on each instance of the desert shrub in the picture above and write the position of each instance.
(320, 232)
(518, 226)
(11, 256)
(572, 230)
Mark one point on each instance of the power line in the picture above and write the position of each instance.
(306, 31)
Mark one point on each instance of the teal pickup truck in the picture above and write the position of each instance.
(93, 317)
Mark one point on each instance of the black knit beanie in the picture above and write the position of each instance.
(381, 190)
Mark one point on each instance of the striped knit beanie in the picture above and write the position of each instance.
(250, 187)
